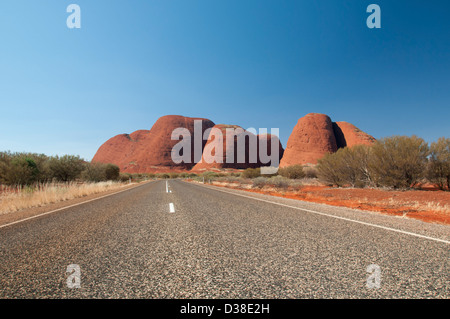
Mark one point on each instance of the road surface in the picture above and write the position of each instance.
(185, 240)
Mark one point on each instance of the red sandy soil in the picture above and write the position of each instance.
(425, 205)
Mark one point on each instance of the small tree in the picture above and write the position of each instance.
(348, 166)
(94, 172)
(439, 165)
(66, 168)
(326, 170)
(399, 161)
(112, 172)
(19, 170)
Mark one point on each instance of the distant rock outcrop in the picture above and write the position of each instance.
(311, 139)
(146, 151)
(316, 135)
(349, 135)
(150, 151)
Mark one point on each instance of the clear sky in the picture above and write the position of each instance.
(253, 63)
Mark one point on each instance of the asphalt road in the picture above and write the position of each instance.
(184, 240)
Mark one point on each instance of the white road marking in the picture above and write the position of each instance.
(337, 217)
(171, 208)
(66, 207)
(167, 187)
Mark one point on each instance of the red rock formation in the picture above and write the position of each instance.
(311, 139)
(315, 135)
(349, 135)
(149, 151)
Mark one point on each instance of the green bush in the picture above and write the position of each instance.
(124, 177)
(22, 168)
(292, 172)
(20, 171)
(260, 182)
(310, 172)
(438, 170)
(112, 172)
(251, 173)
(99, 172)
(66, 168)
(327, 169)
(173, 175)
(346, 167)
(279, 182)
(399, 161)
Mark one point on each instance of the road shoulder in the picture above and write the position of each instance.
(18, 216)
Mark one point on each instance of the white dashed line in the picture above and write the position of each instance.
(171, 208)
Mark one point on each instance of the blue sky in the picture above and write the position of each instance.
(254, 63)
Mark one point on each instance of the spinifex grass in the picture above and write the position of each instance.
(16, 198)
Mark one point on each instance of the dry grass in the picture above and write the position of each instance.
(15, 199)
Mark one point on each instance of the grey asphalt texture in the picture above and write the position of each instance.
(219, 244)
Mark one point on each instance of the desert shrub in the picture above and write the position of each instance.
(326, 169)
(398, 161)
(66, 168)
(279, 182)
(234, 174)
(94, 172)
(124, 177)
(310, 172)
(292, 172)
(438, 170)
(112, 172)
(209, 175)
(19, 171)
(173, 175)
(229, 179)
(162, 176)
(260, 182)
(346, 167)
(99, 172)
(139, 177)
(251, 173)
(23, 168)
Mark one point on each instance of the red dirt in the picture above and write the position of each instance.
(411, 203)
